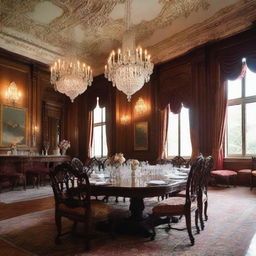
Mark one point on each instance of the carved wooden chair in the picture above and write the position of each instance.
(203, 190)
(37, 173)
(178, 161)
(253, 172)
(178, 205)
(97, 163)
(72, 200)
(10, 176)
(78, 165)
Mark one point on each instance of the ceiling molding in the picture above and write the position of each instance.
(86, 28)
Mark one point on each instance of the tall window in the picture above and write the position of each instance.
(178, 140)
(99, 148)
(241, 116)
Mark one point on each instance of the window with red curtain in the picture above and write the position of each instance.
(240, 138)
(99, 146)
(178, 137)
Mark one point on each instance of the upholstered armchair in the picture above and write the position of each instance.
(73, 201)
(179, 205)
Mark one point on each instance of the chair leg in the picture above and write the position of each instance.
(196, 221)
(188, 224)
(235, 180)
(24, 182)
(200, 210)
(58, 224)
(205, 210)
(87, 230)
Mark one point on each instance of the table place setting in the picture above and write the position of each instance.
(98, 179)
(157, 182)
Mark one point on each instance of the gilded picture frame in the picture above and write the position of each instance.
(13, 126)
(141, 136)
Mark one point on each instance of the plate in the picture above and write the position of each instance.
(177, 177)
(157, 182)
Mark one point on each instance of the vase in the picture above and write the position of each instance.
(63, 152)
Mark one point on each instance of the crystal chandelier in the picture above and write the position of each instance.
(71, 77)
(131, 67)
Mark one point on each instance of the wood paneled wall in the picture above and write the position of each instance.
(33, 81)
(198, 73)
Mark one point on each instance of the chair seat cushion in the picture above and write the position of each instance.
(183, 193)
(172, 206)
(224, 173)
(254, 172)
(245, 171)
(98, 209)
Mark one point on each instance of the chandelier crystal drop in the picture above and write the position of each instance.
(131, 67)
(71, 77)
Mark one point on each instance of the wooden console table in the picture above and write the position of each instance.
(17, 163)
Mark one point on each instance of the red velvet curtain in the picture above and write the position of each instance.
(230, 68)
(194, 131)
(219, 124)
(164, 117)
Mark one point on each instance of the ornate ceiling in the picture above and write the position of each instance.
(44, 30)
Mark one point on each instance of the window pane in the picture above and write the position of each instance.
(105, 148)
(185, 141)
(234, 89)
(172, 143)
(250, 128)
(103, 114)
(234, 133)
(97, 114)
(97, 141)
(250, 83)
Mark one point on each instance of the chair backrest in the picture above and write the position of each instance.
(193, 182)
(206, 170)
(253, 163)
(97, 163)
(70, 186)
(178, 161)
(77, 164)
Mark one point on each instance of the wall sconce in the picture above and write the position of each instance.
(12, 93)
(124, 119)
(140, 106)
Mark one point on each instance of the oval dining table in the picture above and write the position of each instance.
(137, 188)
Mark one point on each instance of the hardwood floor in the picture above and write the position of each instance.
(8, 211)
(21, 208)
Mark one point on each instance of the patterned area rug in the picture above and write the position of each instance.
(228, 232)
(25, 195)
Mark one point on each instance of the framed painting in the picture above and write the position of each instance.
(141, 135)
(13, 125)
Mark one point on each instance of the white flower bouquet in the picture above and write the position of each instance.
(134, 164)
(64, 145)
(116, 160)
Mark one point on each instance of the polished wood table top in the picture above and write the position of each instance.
(138, 186)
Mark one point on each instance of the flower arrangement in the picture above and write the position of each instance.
(116, 160)
(13, 148)
(64, 144)
(134, 164)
